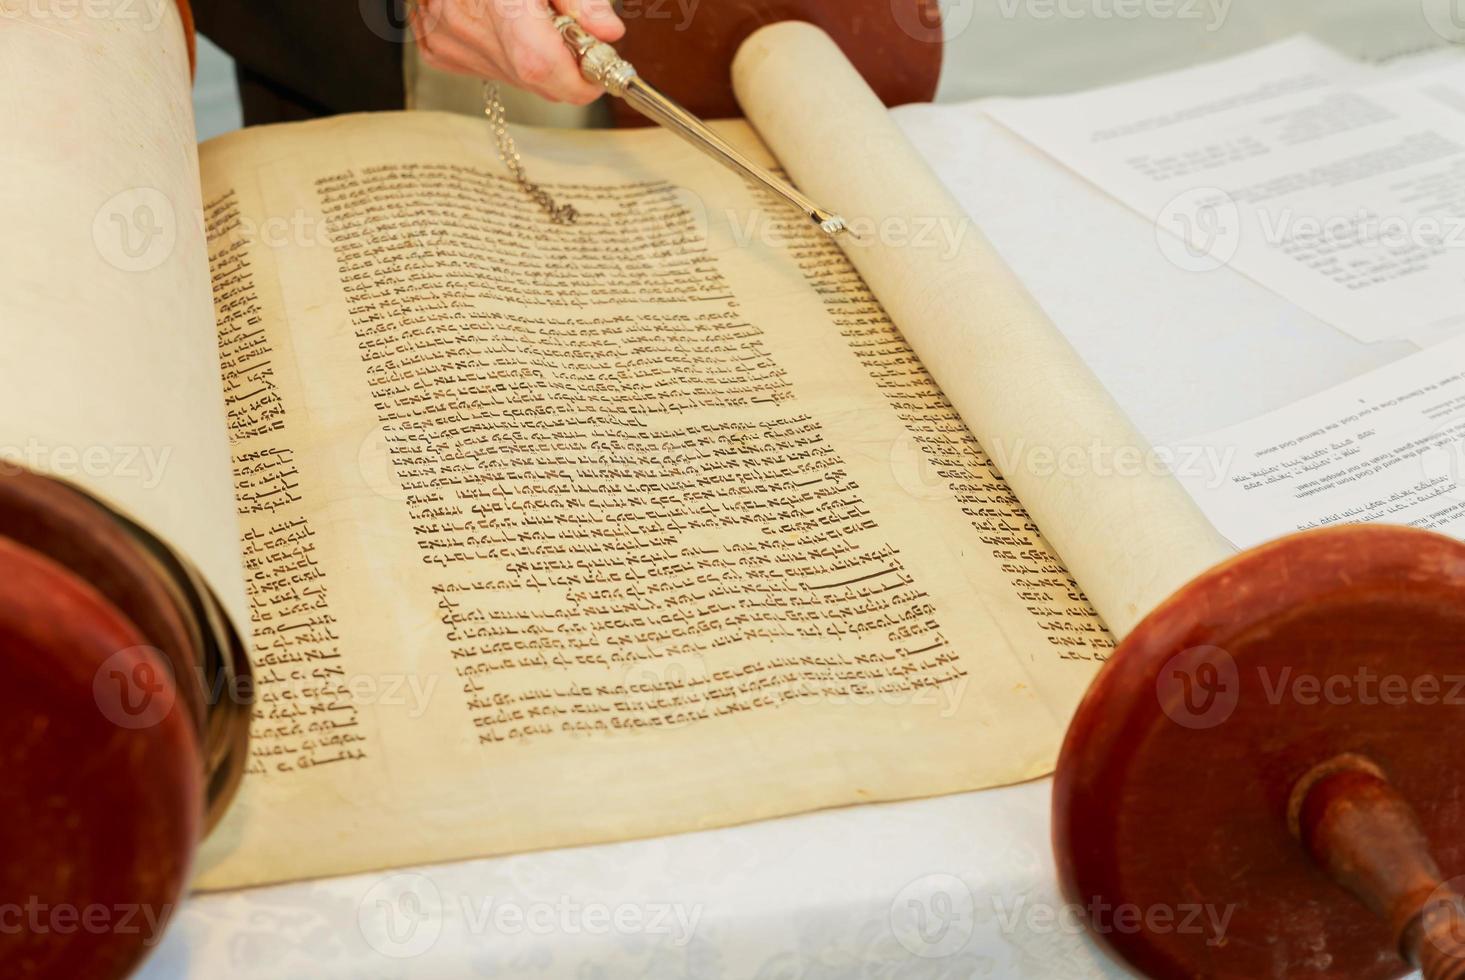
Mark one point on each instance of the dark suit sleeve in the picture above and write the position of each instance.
(298, 59)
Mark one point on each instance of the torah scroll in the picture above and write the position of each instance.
(563, 534)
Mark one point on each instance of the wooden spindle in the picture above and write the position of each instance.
(1368, 838)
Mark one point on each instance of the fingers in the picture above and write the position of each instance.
(538, 58)
(463, 42)
(439, 31)
(512, 41)
(596, 16)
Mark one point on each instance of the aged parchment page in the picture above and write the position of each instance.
(111, 368)
(559, 534)
(1124, 526)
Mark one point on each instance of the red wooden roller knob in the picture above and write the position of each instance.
(100, 779)
(1265, 781)
(687, 50)
(73, 530)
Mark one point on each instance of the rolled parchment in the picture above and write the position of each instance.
(1128, 532)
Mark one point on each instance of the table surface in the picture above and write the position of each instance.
(959, 886)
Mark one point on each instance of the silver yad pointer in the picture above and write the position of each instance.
(602, 65)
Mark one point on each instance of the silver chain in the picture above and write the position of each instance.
(493, 108)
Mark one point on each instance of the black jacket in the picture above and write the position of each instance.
(300, 59)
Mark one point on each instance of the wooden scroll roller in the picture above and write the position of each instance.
(124, 726)
(1276, 747)
(687, 51)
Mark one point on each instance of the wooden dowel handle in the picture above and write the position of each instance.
(1368, 838)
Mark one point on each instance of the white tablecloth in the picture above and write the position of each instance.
(950, 887)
